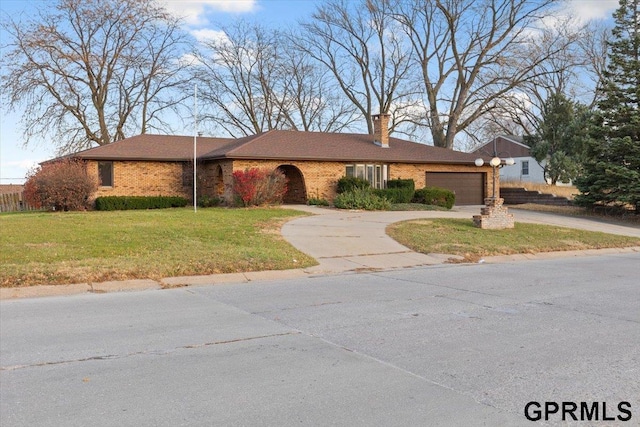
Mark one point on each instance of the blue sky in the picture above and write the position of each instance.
(16, 160)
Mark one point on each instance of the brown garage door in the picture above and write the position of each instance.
(468, 186)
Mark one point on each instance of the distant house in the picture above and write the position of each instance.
(148, 165)
(526, 167)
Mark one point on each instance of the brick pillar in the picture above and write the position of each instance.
(494, 216)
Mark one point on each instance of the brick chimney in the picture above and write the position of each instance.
(381, 130)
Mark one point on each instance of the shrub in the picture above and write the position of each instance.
(396, 195)
(256, 187)
(350, 183)
(61, 185)
(401, 183)
(123, 203)
(361, 198)
(209, 201)
(435, 196)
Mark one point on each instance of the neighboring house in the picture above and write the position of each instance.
(147, 165)
(526, 167)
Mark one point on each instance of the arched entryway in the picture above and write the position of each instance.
(296, 189)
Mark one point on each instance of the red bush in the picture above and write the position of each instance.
(256, 187)
(62, 185)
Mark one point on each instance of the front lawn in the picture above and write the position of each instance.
(80, 247)
(461, 237)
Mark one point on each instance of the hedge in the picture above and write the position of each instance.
(396, 195)
(122, 203)
(361, 198)
(350, 183)
(435, 196)
(401, 183)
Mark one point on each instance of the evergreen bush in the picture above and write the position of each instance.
(435, 196)
(122, 203)
(350, 183)
(361, 198)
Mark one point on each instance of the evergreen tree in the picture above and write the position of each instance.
(558, 143)
(612, 172)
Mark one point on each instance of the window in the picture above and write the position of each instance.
(525, 167)
(351, 170)
(105, 174)
(375, 174)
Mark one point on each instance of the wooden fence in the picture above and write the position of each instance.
(13, 202)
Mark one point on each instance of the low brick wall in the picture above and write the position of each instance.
(519, 196)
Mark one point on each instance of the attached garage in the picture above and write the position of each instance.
(467, 186)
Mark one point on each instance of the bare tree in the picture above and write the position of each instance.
(307, 95)
(471, 53)
(594, 46)
(235, 72)
(365, 52)
(93, 71)
(573, 72)
(252, 80)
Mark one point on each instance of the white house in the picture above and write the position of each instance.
(525, 169)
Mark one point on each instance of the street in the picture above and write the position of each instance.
(438, 345)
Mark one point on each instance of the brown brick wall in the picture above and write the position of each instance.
(320, 177)
(133, 178)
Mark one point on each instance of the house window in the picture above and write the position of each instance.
(351, 170)
(105, 174)
(374, 174)
(187, 175)
(525, 167)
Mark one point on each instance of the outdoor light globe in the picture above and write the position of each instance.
(495, 162)
(479, 162)
(510, 161)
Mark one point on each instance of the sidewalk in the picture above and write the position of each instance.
(346, 241)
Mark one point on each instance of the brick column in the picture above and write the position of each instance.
(494, 216)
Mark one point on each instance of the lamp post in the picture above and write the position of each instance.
(495, 162)
(494, 215)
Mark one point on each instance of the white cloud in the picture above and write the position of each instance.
(586, 10)
(206, 34)
(194, 11)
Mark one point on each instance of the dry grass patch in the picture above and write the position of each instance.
(79, 247)
(460, 237)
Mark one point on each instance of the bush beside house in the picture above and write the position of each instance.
(258, 187)
(63, 185)
(435, 196)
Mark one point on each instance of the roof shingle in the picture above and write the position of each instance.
(276, 145)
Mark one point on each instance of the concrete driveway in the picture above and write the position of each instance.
(356, 240)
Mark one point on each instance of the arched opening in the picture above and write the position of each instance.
(296, 189)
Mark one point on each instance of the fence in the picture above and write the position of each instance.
(13, 202)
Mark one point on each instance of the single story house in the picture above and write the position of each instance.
(525, 169)
(152, 165)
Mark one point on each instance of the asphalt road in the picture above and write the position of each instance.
(459, 345)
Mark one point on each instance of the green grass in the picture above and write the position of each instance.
(79, 247)
(461, 237)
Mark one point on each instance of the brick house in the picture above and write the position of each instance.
(152, 165)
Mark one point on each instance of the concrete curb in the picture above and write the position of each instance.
(270, 275)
